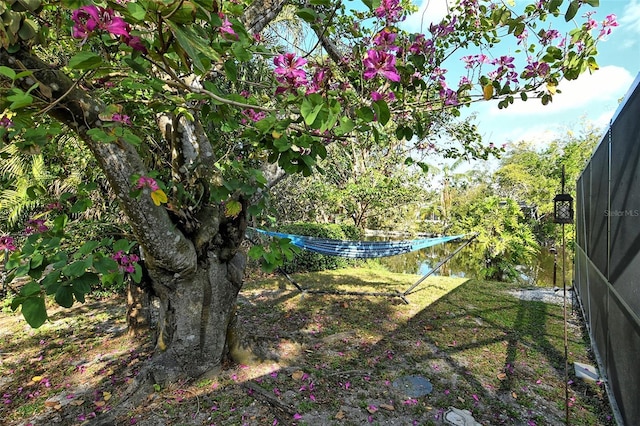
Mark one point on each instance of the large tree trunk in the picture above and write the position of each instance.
(196, 312)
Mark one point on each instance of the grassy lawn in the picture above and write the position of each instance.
(325, 359)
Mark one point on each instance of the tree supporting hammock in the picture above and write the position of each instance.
(367, 250)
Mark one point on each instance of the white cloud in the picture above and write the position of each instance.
(430, 11)
(630, 18)
(589, 91)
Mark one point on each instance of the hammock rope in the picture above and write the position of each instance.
(359, 249)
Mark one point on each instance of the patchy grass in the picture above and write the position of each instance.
(328, 359)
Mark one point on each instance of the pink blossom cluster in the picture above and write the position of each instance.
(226, 31)
(122, 118)
(91, 18)
(126, 263)
(147, 182)
(289, 72)
(390, 10)
(252, 115)
(7, 243)
(536, 69)
(506, 69)
(422, 46)
(34, 226)
(609, 22)
(6, 122)
(379, 62)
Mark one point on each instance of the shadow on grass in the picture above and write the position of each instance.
(70, 369)
(333, 359)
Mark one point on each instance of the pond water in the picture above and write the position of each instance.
(539, 273)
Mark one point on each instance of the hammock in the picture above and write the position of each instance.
(363, 250)
(359, 249)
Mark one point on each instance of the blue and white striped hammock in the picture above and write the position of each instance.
(358, 249)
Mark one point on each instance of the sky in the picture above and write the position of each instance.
(591, 99)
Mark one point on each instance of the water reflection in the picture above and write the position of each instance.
(465, 264)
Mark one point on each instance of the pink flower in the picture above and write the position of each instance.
(536, 69)
(450, 97)
(422, 46)
(88, 19)
(474, 60)
(289, 71)
(380, 63)
(297, 416)
(34, 226)
(444, 28)
(7, 243)
(226, 31)
(320, 80)
(548, 36)
(385, 40)
(6, 122)
(136, 44)
(147, 182)
(390, 10)
(609, 22)
(121, 118)
(377, 96)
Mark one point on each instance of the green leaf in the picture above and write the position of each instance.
(346, 126)
(76, 269)
(232, 208)
(255, 252)
(85, 61)
(193, 44)
(231, 69)
(136, 11)
(310, 108)
(593, 3)
(50, 282)
(86, 248)
(137, 273)
(241, 53)
(105, 265)
(307, 14)
(36, 260)
(30, 289)
(572, 10)
(365, 113)
(60, 259)
(34, 311)
(83, 283)
(382, 111)
(8, 72)
(28, 29)
(135, 64)
(19, 99)
(81, 205)
(122, 245)
(64, 296)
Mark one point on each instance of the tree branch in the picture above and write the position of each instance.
(80, 111)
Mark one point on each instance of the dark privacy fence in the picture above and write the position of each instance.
(607, 260)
